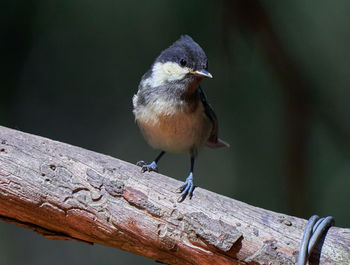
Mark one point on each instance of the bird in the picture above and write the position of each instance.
(171, 109)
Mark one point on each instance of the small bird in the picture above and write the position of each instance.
(171, 108)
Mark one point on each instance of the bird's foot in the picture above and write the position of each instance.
(147, 167)
(186, 189)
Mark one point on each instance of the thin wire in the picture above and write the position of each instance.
(303, 251)
(314, 229)
(320, 230)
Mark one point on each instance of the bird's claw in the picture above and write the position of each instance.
(147, 167)
(186, 189)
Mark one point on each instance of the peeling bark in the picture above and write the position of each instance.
(66, 192)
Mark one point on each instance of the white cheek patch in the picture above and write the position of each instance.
(162, 73)
(166, 72)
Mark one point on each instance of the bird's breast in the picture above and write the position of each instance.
(177, 131)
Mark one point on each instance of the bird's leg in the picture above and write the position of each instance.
(152, 166)
(187, 188)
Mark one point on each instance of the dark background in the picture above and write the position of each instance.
(281, 91)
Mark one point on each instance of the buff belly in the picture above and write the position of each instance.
(180, 132)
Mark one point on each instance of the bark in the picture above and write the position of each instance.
(67, 192)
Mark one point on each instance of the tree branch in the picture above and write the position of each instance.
(66, 192)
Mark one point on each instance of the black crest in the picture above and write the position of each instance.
(186, 52)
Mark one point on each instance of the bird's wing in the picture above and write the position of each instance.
(213, 140)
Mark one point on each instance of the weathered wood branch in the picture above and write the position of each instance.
(66, 192)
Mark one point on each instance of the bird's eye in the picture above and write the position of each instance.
(206, 66)
(183, 62)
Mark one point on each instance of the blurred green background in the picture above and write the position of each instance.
(281, 91)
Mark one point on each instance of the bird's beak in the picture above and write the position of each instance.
(201, 73)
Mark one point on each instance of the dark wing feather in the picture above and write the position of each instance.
(213, 140)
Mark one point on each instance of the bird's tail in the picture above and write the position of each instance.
(218, 144)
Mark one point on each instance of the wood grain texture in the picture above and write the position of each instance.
(66, 192)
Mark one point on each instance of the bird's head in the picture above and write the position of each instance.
(183, 62)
